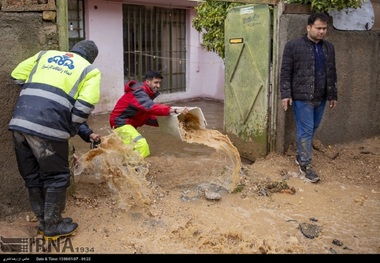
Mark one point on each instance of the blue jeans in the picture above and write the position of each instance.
(308, 115)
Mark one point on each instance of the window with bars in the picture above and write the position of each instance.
(76, 21)
(155, 39)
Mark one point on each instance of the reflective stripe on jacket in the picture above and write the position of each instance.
(59, 92)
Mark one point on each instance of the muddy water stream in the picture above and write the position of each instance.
(160, 142)
(163, 143)
(216, 160)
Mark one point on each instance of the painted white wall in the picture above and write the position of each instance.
(104, 25)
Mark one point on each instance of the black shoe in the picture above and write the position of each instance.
(307, 170)
(55, 226)
(62, 229)
(41, 227)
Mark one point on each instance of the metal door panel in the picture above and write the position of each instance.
(247, 78)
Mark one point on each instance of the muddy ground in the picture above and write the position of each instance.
(178, 206)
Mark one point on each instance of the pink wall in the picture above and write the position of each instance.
(104, 26)
(204, 70)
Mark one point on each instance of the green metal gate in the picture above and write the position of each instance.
(247, 78)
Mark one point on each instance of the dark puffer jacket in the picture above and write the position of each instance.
(297, 70)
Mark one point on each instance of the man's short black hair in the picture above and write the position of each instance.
(150, 74)
(315, 16)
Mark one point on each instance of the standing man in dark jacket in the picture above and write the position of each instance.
(59, 92)
(137, 108)
(308, 79)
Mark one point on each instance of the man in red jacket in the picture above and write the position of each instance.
(137, 108)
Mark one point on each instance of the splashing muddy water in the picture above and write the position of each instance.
(115, 169)
(193, 133)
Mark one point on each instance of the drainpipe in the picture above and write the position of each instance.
(62, 24)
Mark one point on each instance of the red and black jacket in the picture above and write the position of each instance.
(136, 107)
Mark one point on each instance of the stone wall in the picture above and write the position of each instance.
(22, 35)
